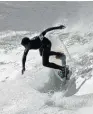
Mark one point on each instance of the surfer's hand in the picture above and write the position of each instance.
(23, 70)
(62, 27)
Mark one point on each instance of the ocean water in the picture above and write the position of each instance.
(39, 91)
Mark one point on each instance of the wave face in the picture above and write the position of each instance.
(39, 91)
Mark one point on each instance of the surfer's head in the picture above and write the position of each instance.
(25, 41)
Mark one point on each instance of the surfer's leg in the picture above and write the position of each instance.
(45, 60)
(59, 55)
(40, 51)
(55, 53)
(63, 58)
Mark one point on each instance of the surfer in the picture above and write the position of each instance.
(44, 45)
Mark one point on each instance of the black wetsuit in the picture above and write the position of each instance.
(44, 45)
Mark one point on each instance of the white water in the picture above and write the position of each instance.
(39, 91)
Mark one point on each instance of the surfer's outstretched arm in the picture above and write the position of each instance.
(52, 28)
(24, 60)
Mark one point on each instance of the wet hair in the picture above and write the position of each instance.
(25, 41)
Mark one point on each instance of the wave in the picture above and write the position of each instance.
(42, 80)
